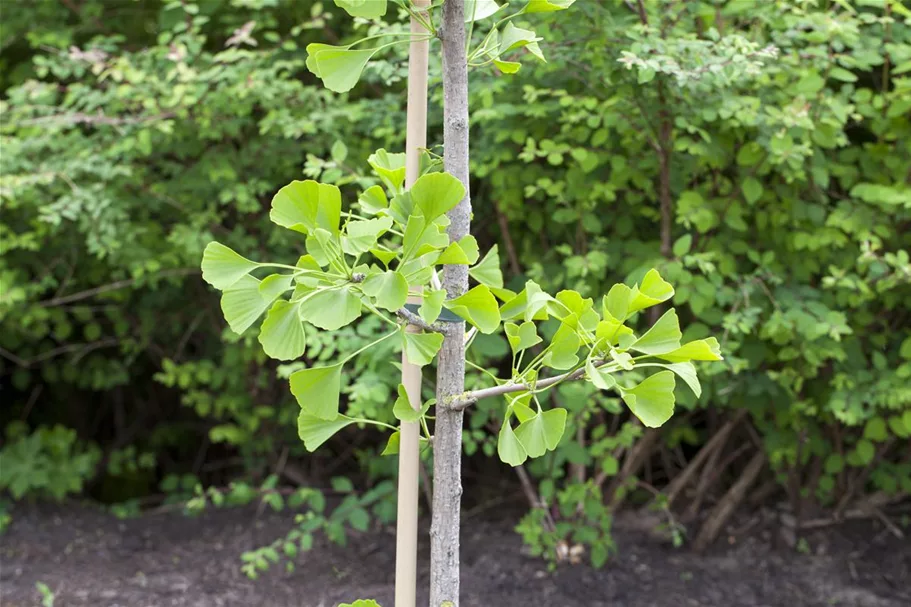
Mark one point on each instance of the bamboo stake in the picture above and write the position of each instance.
(406, 545)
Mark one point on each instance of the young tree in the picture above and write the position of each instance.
(397, 240)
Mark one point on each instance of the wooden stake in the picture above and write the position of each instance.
(406, 545)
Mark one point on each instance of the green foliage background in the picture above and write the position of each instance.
(758, 154)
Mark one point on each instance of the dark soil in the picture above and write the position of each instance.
(162, 560)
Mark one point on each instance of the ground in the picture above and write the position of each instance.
(90, 558)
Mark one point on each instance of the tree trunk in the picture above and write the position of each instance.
(447, 441)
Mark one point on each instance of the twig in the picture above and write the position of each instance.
(413, 319)
(723, 511)
(114, 286)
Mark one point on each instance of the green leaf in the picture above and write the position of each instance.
(529, 304)
(282, 334)
(564, 348)
(835, 463)
(519, 403)
(242, 304)
(521, 337)
(436, 194)
(865, 451)
(700, 349)
(507, 67)
(531, 434)
(840, 73)
(368, 9)
(420, 348)
(615, 305)
(222, 267)
(470, 246)
(905, 350)
(431, 306)
(652, 401)
(454, 255)
(384, 256)
(476, 10)
(509, 448)
(389, 289)
(683, 245)
(274, 285)
(389, 167)
(315, 431)
(752, 189)
(875, 430)
(515, 37)
(554, 426)
(547, 6)
(600, 379)
(685, 371)
(645, 75)
(362, 235)
(663, 337)
(361, 602)
(650, 292)
(304, 206)
(373, 200)
(404, 411)
(331, 308)
(338, 67)
(392, 445)
(317, 389)
(421, 238)
(487, 271)
(479, 307)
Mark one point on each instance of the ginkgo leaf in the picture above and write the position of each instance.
(373, 200)
(476, 10)
(530, 304)
(361, 236)
(531, 434)
(390, 168)
(421, 238)
(700, 349)
(315, 431)
(600, 378)
(615, 305)
(436, 194)
(515, 37)
(564, 348)
(432, 305)
(509, 448)
(317, 390)
(652, 401)
(222, 267)
(454, 255)
(384, 256)
(404, 409)
(304, 206)
(521, 337)
(282, 334)
(507, 67)
(242, 304)
(421, 348)
(547, 6)
(685, 371)
(479, 307)
(368, 9)
(663, 337)
(274, 285)
(392, 445)
(469, 245)
(487, 271)
(331, 308)
(389, 288)
(650, 292)
(338, 67)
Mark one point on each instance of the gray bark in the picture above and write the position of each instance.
(447, 441)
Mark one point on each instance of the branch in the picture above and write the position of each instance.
(462, 402)
(413, 319)
(114, 286)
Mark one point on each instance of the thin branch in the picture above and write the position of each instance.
(467, 399)
(413, 319)
(114, 286)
